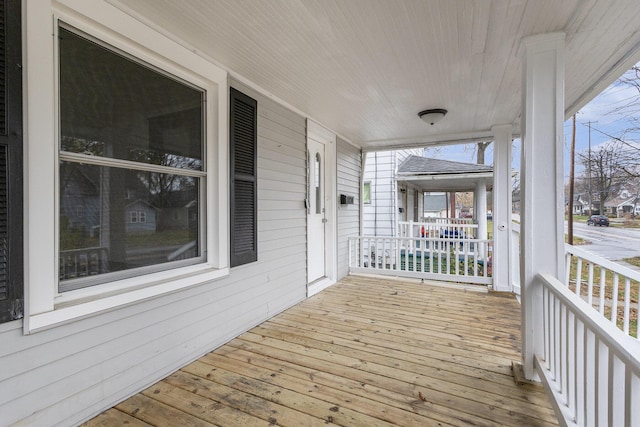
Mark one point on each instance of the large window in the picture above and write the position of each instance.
(132, 158)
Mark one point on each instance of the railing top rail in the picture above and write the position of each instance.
(437, 224)
(603, 262)
(452, 220)
(625, 347)
(404, 239)
(91, 249)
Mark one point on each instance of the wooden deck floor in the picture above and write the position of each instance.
(365, 352)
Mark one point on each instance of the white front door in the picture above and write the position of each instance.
(316, 211)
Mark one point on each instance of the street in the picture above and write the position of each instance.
(609, 242)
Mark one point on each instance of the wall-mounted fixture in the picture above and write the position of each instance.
(346, 200)
(433, 115)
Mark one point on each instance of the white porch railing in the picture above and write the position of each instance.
(591, 367)
(83, 262)
(445, 227)
(438, 220)
(447, 259)
(610, 288)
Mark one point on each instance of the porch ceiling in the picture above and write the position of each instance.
(365, 68)
(453, 182)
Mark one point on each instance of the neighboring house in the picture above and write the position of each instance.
(430, 175)
(629, 206)
(140, 217)
(262, 112)
(580, 206)
(396, 182)
(386, 200)
(80, 200)
(435, 205)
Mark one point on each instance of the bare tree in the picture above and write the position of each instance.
(607, 170)
(481, 147)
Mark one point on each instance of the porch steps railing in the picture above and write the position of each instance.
(437, 258)
(590, 366)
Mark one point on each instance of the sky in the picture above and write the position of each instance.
(609, 114)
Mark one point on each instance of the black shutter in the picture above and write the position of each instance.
(11, 258)
(243, 153)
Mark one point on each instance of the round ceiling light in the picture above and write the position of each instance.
(432, 116)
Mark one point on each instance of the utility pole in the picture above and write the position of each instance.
(571, 179)
(589, 171)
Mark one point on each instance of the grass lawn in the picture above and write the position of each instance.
(576, 240)
(633, 261)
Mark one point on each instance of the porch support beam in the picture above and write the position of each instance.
(502, 280)
(542, 226)
(480, 205)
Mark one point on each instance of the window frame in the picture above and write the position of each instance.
(46, 306)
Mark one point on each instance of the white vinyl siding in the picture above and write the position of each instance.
(379, 217)
(78, 369)
(349, 166)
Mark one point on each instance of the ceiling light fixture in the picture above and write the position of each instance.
(432, 116)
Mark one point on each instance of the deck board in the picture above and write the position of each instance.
(367, 351)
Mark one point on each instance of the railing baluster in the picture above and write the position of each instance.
(627, 305)
(614, 298)
(579, 370)
(578, 276)
(602, 378)
(603, 289)
(590, 285)
(570, 360)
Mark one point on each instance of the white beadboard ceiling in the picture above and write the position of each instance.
(365, 68)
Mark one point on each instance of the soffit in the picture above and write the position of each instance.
(364, 68)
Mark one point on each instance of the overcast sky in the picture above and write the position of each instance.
(608, 112)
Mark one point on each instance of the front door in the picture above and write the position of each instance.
(316, 211)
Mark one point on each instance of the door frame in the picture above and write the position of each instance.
(322, 135)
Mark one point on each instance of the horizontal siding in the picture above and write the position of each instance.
(64, 375)
(349, 168)
(380, 170)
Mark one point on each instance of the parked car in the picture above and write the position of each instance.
(598, 220)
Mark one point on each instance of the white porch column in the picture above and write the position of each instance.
(480, 207)
(542, 226)
(502, 280)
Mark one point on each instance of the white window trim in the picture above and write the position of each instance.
(44, 306)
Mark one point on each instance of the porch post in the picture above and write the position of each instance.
(542, 226)
(480, 207)
(502, 280)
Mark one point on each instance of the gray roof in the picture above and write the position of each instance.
(416, 165)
